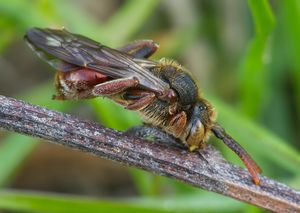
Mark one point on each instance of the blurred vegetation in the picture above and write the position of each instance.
(244, 54)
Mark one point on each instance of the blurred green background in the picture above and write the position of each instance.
(243, 53)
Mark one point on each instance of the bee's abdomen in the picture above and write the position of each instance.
(77, 84)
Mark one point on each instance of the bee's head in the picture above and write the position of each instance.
(201, 119)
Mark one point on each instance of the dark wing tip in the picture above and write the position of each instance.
(39, 36)
(33, 33)
(28, 34)
(30, 37)
(40, 39)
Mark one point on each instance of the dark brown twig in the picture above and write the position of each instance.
(209, 172)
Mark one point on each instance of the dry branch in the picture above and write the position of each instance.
(209, 171)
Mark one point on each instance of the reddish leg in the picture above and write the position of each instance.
(251, 165)
(139, 99)
(177, 123)
(114, 86)
(140, 49)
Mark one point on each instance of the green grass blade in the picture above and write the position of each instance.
(148, 184)
(253, 69)
(54, 203)
(13, 150)
(26, 14)
(263, 17)
(8, 34)
(85, 24)
(193, 202)
(129, 19)
(291, 15)
(113, 115)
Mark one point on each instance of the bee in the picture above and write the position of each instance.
(163, 92)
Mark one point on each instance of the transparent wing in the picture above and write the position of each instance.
(64, 51)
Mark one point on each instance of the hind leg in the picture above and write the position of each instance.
(114, 86)
(140, 49)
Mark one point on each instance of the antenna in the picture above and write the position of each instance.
(252, 167)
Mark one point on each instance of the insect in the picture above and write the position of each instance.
(163, 92)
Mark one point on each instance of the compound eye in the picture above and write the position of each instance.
(196, 135)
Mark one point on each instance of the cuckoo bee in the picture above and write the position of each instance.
(163, 92)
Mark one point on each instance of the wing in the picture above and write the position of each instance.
(66, 51)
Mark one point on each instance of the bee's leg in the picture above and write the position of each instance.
(138, 99)
(142, 102)
(155, 134)
(177, 123)
(114, 86)
(140, 48)
(119, 99)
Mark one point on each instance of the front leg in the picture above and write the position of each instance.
(177, 123)
(155, 134)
